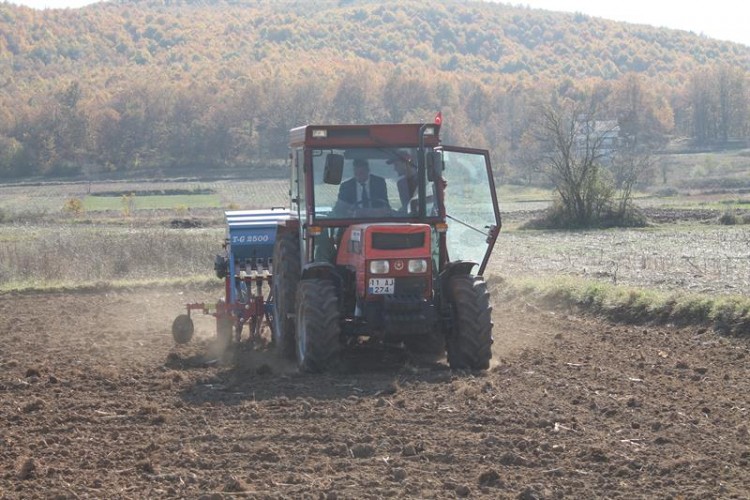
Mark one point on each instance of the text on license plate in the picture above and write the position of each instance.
(382, 286)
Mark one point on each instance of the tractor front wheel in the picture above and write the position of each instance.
(286, 275)
(470, 341)
(318, 328)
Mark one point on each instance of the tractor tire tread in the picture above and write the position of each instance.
(470, 342)
(287, 272)
(318, 314)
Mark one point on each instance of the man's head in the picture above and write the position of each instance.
(361, 169)
(403, 164)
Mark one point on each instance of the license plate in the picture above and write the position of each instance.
(382, 286)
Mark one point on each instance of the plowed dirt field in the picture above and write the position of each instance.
(97, 402)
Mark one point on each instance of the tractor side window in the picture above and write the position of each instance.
(325, 194)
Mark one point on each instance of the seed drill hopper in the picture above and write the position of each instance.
(246, 265)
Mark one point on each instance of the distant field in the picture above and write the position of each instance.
(718, 202)
(49, 245)
(46, 255)
(706, 171)
(49, 199)
(99, 203)
(694, 258)
(700, 259)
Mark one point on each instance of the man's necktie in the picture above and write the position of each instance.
(365, 198)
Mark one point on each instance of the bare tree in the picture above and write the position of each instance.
(628, 167)
(572, 153)
(592, 177)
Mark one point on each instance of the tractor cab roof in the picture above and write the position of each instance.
(388, 135)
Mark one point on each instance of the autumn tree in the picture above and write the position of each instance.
(733, 104)
(10, 157)
(352, 102)
(404, 95)
(206, 84)
(719, 102)
(644, 118)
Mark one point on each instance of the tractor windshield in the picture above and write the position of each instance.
(368, 183)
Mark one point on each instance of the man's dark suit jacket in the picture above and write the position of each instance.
(406, 189)
(378, 193)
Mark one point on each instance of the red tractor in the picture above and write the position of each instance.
(389, 235)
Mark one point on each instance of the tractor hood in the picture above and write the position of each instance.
(387, 256)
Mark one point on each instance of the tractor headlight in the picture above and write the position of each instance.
(379, 266)
(418, 266)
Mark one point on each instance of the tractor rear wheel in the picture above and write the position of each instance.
(286, 275)
(318, 328)
(182, 329)
(470, 341)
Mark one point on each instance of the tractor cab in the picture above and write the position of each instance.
(345, 175)
(366, 185)
(390, 231)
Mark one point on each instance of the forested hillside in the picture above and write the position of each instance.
(133, 84)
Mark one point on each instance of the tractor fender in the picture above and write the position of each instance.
(287, 226)
(454, 268)
(328, 272)
(323, 271)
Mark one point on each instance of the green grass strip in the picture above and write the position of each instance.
(31, 287)
(93, 203)
(726, 314)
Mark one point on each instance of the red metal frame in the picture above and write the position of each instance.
(240, 312)
(353, 136)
